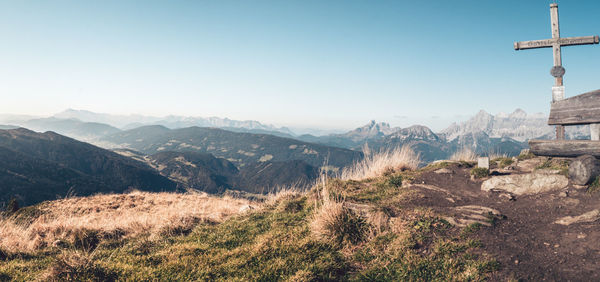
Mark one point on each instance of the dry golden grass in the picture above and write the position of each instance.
(376, 164)
(93, 218)
(495, 155)
(338, 222)
(465, 154)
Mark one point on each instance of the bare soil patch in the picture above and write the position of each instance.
(525, 237)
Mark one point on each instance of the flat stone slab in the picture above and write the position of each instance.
(526, 184)
(466, 215)
(586, 217)
(444, 171)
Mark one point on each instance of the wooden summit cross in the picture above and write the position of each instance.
(558, 91)
(577, 110)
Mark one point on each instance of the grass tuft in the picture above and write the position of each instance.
(556, 164)
(595, 186)
(480, 172)
(78, 266)
(465, 154)
(503, 161)
(383, 162)
(528, 155)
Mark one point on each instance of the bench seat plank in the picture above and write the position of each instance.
(564, 148)
(581, 109)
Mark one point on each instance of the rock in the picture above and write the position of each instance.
(584, 170)
(564, 194)
(483, 162)
(507, 196)
(524, 152)
(466, 215)
(530, 164)
(245, 208)
(444, 171)
(526, 184)
(60, 244)
(547, 171)
(586, 217)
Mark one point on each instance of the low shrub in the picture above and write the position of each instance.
(395, 180)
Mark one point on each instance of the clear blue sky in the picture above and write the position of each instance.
(295, 63)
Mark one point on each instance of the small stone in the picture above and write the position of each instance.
(245, 208)
(483, 162)
(564, 194)
(581, 236)
(507, 196)
(59, 244)
(557, 245)
(444, 171)
(517, 261)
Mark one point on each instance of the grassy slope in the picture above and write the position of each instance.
(276, 243)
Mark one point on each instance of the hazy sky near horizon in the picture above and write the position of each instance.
(310, 63)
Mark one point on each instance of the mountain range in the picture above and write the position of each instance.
(237, 147)
(248, 157)
(518, 126)
(126, 122)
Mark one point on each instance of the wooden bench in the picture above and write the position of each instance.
(583, 109)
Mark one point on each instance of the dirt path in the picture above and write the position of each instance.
(525, 238)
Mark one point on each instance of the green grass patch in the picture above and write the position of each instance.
(527, 156)
(480, 172)
(503, 162)
(595, 186)
(561, 165)
(276, 242)
(396, 257)
(395, 180)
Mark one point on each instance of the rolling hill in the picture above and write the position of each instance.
(42, 166)
(204, 172)
(73, 128)
(239, 148)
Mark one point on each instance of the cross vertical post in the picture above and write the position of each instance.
(559, 89)
(556, 43)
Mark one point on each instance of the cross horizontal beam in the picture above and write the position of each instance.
(548, 43)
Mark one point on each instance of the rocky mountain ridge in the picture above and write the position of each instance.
(518, 125)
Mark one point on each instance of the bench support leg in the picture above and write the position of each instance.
(560, 132)
(595, 131)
